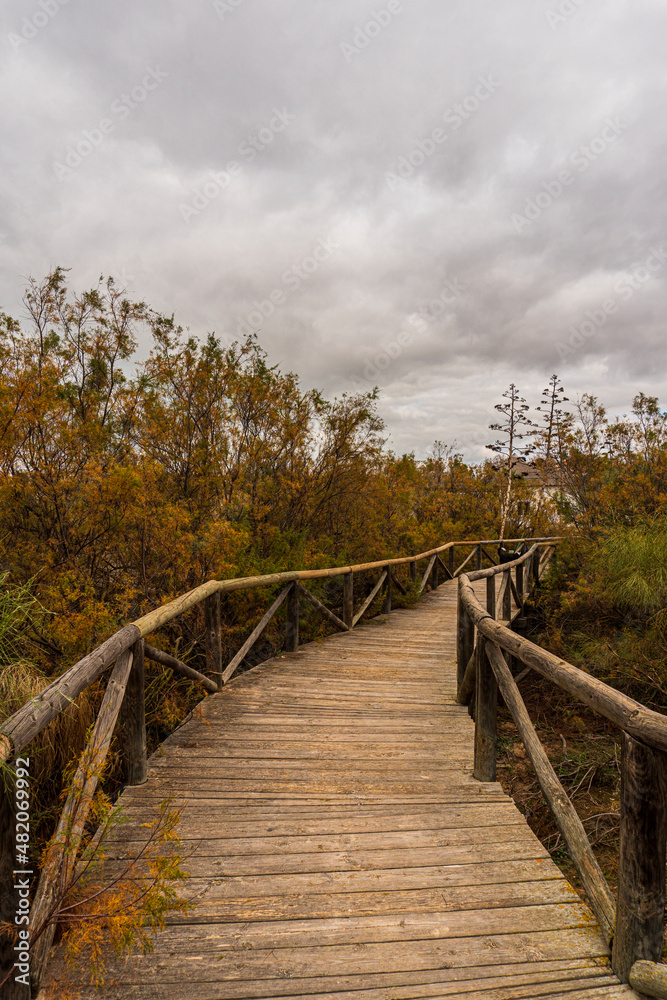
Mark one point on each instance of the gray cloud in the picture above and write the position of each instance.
(370, 90)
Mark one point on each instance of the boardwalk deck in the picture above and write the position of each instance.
(341, 847)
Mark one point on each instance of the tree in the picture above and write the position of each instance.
(556, 422)
(516, 427)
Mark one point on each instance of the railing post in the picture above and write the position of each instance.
(133, 720)
(348, 599)
(434, 581)
(536, 568)
(386, 607)
(491, 595)
(8, 898)
(465, 639)
(292, 619)
(413, 572)
(507, 596)
(519, 582)
(213, 638)
(450, 562)
(486, 705)
(479, 557)
(641, 868)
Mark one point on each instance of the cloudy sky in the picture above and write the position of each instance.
(437, 197)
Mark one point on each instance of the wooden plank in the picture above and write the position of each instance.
(337, 960)
(418, 841)
(454, 817)
(296, 885)
(212, 907)
(367, 860)
(505, 992)
(440, 925)
(396, 985)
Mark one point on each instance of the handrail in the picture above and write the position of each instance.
(634, 925)
(125, 698)
(26, 723)
(642, 723)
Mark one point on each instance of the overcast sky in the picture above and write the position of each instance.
(434, 196)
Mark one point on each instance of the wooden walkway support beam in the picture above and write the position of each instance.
(292, 619)
(486, 713)
(641, 868)
(133, 720)
(213, 638)
(386, 607)
(348, 599)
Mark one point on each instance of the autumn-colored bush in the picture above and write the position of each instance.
(126, 480)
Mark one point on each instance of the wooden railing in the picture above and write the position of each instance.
(634, 923)
(124, 701)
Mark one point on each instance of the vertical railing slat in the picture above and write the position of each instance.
(213, 640)
(133, 720)
(292, 619)
(348, 599)
(486, 706)
(491, 595)
(386, 607)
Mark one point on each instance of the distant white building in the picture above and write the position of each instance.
(531, 473)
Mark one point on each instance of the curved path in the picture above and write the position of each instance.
(343, 850)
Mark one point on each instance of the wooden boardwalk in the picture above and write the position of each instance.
(342, 848)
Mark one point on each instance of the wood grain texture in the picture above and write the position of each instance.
(340, 847)
(643, 842)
